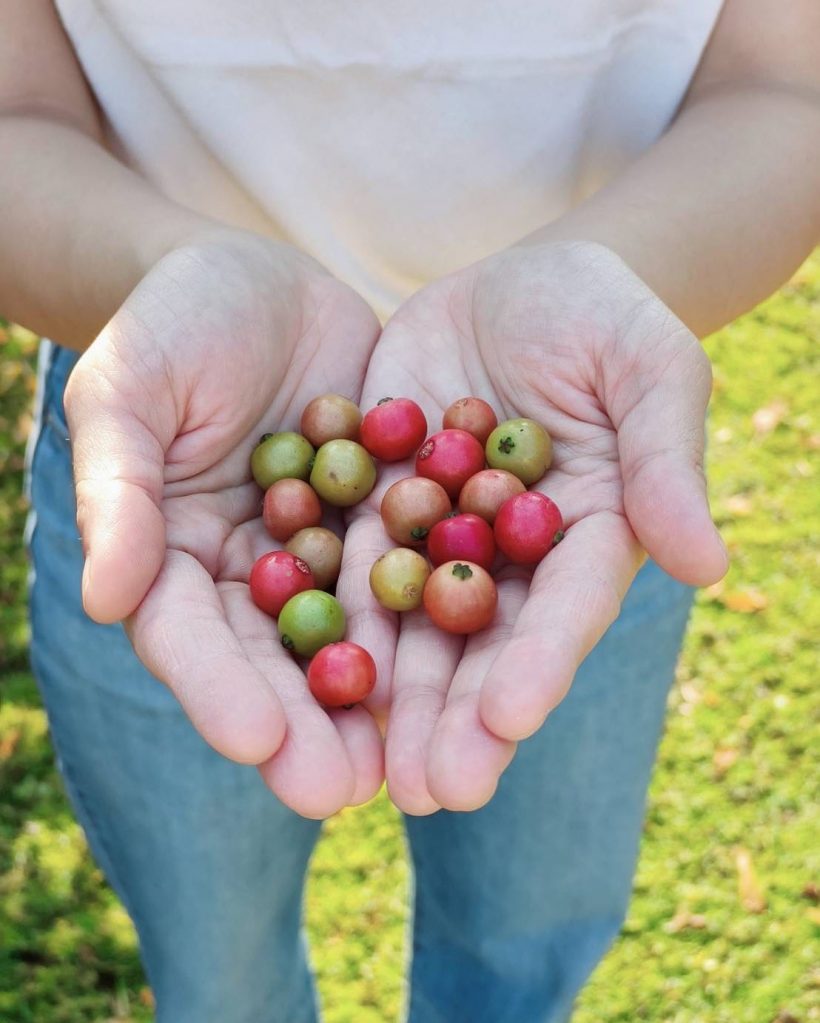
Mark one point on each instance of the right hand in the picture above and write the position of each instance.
(223, 340)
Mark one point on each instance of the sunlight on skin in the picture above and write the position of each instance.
(170, 519)
(563, 334)
(568, 336)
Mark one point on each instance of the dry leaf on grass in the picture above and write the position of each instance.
(683, 920)
(811, 891)
(743, 601)
(739, 505)
(8, 743)
(723, 759)
(769, 417)
(748, 886)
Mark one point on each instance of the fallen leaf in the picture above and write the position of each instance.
(8, 743)
(811, 892)
(813, 442)
(770, 416)
(739, 505)
(723, 759)
(683, 920)
(146, 997)
(785, 1017)
(803, 468)
(749, 888)
(690, 693)
(744, 601)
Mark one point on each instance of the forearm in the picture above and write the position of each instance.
(79, 229)
(721, 210)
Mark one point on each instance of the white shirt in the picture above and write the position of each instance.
(394, 142)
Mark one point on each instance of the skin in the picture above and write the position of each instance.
(706, 223)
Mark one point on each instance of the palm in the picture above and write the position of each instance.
(243, 344)
(526, 334)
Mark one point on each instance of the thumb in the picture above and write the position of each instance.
(661, 440)
(114, 419)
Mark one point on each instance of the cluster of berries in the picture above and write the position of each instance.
(332, 460)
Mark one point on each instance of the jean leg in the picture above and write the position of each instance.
(516, 903)
(207, 862)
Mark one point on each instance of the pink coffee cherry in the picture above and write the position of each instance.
(450, 457)
(462, 538)
(276, 577)
(527, 527)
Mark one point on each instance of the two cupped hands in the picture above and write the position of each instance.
(229, 337)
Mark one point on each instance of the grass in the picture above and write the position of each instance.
(725, 914)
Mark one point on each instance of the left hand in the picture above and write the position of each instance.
(567, 335)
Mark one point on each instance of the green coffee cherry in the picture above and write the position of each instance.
(309, 621)
(280, 456)
(522, 447)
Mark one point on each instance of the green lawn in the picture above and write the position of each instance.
(726, 909)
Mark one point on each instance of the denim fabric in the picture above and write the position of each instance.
(513, 904)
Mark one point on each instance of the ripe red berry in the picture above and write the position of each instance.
(341, 674)
(290, 505)
(460, 597)
(450, 457)
(473, 415)
(462, 538)
(527, 526)
(411, 507)
(276, 577)
(393, 429)
(484, 493)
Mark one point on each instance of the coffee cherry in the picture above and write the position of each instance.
(290, 505)
(473, 415)
(275, 578)
(322, 550)
(397, 579)
(460, 597)
(462, 538)
(411, 507)
(450, 457)
(280, 456)
(343, 473)
(484, 493)
(330, 417)
(309, 621)
(522, 447)
(393, 429)
(341, 674)
(527, 527)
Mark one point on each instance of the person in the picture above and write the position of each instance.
(545, 205)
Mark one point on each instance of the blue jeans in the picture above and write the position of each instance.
(514, 904)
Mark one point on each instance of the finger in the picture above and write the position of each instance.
(661, 446)
(311, 771)
(465, 760)
(368, 623)
(356, 727)
(575, 596)
(118, 470)
(181, 634)
(365, 751)
(426, 659)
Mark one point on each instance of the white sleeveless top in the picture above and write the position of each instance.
(395, 142)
